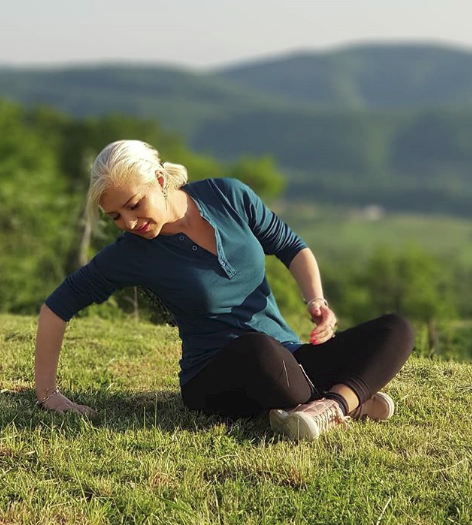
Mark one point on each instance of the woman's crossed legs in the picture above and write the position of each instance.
(255, 372)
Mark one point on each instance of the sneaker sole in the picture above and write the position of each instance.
(297, 426)
(391, 405)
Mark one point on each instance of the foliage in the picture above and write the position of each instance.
(261, 174)
(399, 161)
(385, 125)
(44, 176)
(453, 340)
(34, 216)
(363, 76)
(411, 283)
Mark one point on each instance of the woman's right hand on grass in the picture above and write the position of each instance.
(51, 330)
(61, 404)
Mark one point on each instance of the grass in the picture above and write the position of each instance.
(147, 460)
(332, 231)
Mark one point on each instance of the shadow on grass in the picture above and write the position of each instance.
(119, 412)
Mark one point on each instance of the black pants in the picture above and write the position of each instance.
(255, 372)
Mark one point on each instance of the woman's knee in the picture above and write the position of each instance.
(400, 330)
(400, 325)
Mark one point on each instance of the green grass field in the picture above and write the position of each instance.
(145, 459)
(333, 232)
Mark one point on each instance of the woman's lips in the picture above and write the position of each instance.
(143, 229)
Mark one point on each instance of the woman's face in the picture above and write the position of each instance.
(136, 208)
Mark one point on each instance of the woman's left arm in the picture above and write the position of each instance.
(277, 238)
(305, 271)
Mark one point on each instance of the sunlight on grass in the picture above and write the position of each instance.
(146, 459)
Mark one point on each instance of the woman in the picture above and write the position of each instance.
(200, 249)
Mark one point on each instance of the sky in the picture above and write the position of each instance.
(210, 33)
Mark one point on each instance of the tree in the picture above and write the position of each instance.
(411, 283)
(260, 174)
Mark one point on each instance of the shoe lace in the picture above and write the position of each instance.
(330, 417)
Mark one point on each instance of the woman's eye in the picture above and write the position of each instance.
(135, 206)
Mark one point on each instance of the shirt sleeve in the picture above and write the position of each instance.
(275, 236)
(93, 283)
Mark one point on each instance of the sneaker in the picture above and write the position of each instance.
(307, 421)
(379, 408)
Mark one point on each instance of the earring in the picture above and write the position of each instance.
(165, 192)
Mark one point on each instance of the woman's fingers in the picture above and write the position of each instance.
(325, 324)
(324, 327)
(326, 317)
(323, 332)
(322, 338)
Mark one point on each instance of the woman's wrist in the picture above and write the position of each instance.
(316, 299)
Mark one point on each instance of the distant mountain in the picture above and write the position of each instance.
(179, 99)
(376, 124)
(368, 77)
(380, 76)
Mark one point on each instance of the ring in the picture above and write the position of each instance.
(333, 329)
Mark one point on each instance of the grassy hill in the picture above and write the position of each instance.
(390, 125)
(404, 160)
(146, 459)
(178, 98)
(369, 76)
(374, 76)
(334, 232)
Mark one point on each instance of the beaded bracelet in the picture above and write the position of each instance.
(53, 393)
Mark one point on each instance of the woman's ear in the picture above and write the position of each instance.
(160, 179)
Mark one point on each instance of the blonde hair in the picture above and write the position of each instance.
(126, 160)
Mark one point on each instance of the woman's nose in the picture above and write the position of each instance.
(129, 222)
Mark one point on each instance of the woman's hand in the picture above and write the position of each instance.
(61, 404)
(325, 321)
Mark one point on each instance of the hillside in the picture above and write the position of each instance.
(389, 125)
(365, 77)
(179, 99)
(402, 161)
(374, 76)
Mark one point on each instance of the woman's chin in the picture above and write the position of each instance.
(153, 232)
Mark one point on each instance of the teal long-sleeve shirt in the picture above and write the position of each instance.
(214, 298)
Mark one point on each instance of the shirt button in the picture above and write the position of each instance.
(194, 248)
(223, 264)
(181, 238)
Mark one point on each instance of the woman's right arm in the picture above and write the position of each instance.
(49, 338)
(112, 268)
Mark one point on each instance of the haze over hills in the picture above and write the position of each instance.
(385, 124)
(176, 97)
(381, 76)
(368, 77)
